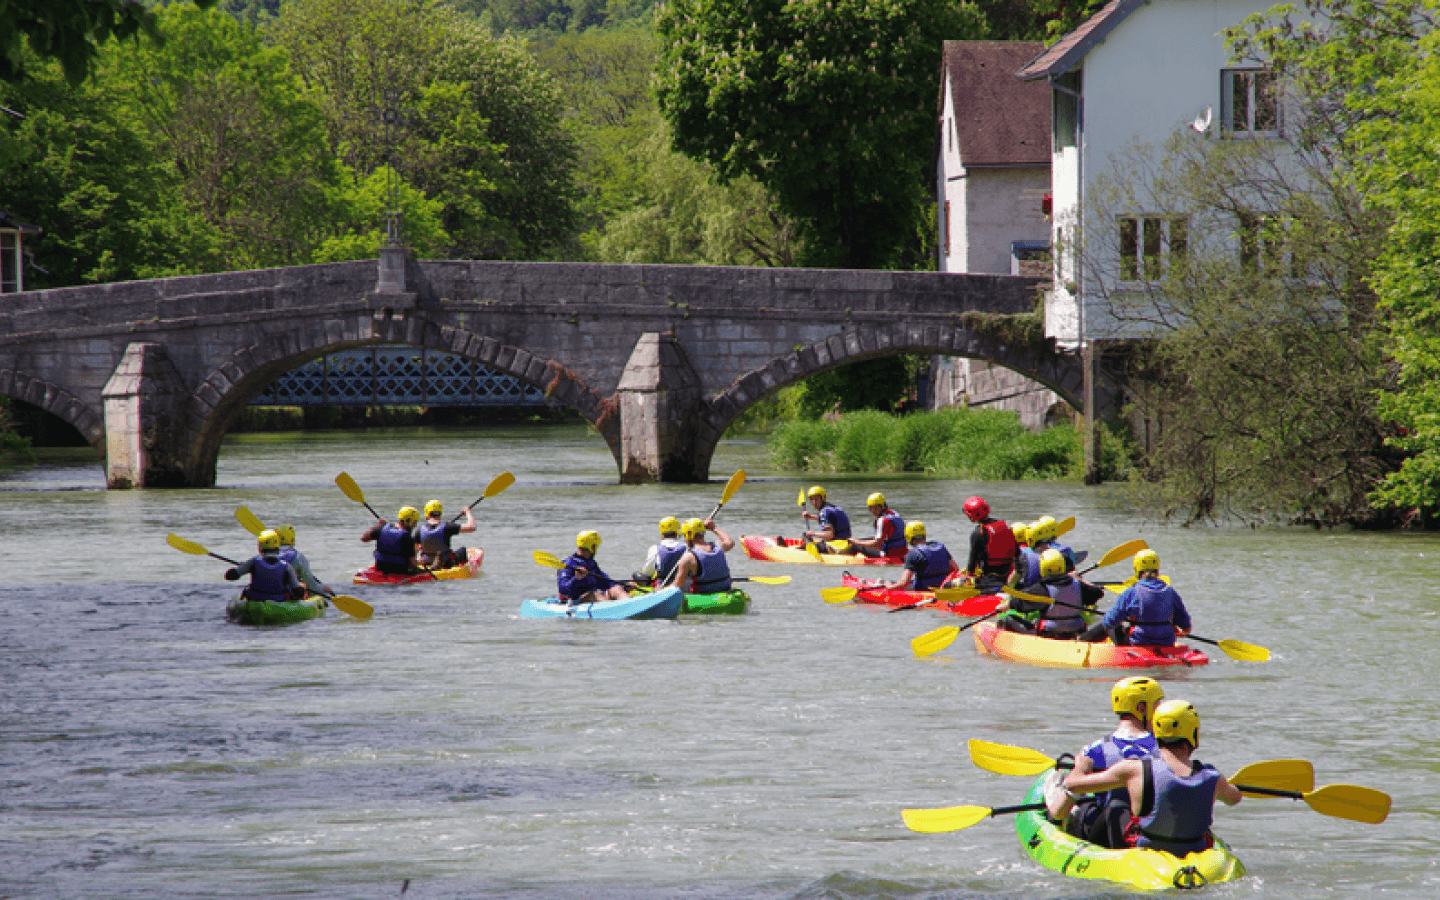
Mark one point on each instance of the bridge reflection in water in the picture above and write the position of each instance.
(399, 376)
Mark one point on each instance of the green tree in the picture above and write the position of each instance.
(68, 31)
(830, 106)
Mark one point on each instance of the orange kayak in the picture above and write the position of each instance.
(991, 640)
(470, 569)
(790, 550)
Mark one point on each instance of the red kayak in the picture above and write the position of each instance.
(870, 592)
(470, 569)
(993, 641)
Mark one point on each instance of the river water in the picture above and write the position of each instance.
(448, 748)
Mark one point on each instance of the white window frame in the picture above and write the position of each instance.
(1256, 82)
(1147, 256)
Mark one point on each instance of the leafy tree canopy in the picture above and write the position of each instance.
(68, 31)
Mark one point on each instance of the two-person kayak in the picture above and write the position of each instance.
(992, 640)
(267, 612)
(663, 604)
(867, 591)
(469, 569)
(792, 550)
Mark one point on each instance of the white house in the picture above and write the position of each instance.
(12, 252)
(992, 162)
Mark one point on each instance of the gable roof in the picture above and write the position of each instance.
(999, 120)
(1070, 49)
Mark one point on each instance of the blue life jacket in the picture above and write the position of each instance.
(288, 554)
(714, 574)
(393, 545)
(832, 516)
(1109, 751)
(931, 564)
(571, 588)
(670, 552)
(267, 579)
(1182, 808)
(1063, 617)
(434, 539)
(1155, 606)
(896, 541)
(1029, 566)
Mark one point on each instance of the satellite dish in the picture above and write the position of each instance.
(1202, 121)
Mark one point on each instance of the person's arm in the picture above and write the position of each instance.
(724, 539)
(302, 568)
(469, 525)
(1120, 610)
(1181, 617)
(292, 583)
(1227, 793)
(1118, 775)
(373, 532)
(1090, 595)
(978, 540)
(1058, 811)
(685, 572)
(907, 575)
(237, 572)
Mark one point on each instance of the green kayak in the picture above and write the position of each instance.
(733, 602)
(265, 612)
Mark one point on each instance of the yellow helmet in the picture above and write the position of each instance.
(408, 516)
(1128, 693)
(692, 529)
(669, 525)
(1177, 720)
(287, 534)
(588, 540)
(434, 508)
(1045, 528)
(875, 499)
(1147, 561)
(816, 491)
(1052, 562)
(914, 530)
(1021, 532)
(268, 539)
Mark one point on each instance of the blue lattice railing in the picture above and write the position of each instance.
(397, 376)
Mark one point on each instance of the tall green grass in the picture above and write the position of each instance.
(983, 444)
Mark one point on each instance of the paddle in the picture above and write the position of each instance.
(1064, 525)
(804, 522)
(731, 487)
(838, 594)
(353, 606)
(349, 488)
(1232, 648)
(1118, 554)
(934, 641)
(954, 818)
(249, 521)
(950, 595)
(498, 484)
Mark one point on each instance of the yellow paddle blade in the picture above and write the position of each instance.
(813, 551)
(1021, 595)
(800, 500)
(732, 486)
(1243, 651)
(935, 641)
(839, 546)
(1276, 775)
(549, 560)
(1130, 582)
(1121, 553)
(500, 483)
(249, 521)
(768, 579)
(955, 594)
(1064, 525)
(185, 546)
(1008, 760)
(935, 821)
(1348, 801)
(353, 606)
(838, 595)
(349, 488)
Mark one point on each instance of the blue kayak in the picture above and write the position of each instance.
(664, 604)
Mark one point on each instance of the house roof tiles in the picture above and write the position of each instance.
(999, 120)
(1062, 56)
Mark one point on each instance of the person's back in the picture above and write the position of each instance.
(931, 562)
(581, 580)
(704, 569)
(664, 556)
(272, 579)
(992, 546)
(394, 544)
(1148, 613)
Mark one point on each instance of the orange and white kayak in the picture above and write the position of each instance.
(791, 550)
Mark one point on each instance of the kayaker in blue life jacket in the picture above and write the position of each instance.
(834, 523)
(297, 559)
(1026, 575)
(271, 578)
(703, 569)
(1172, 795)
(1149, 613)
(1064, 616)
(663, 557)
(889, 538)
(394, 544)
(1045, 535)
(582, 580)
(928, 565)
(432, 538)
(1104, 818)
(992, 547)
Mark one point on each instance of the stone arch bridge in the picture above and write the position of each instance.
(660, 359)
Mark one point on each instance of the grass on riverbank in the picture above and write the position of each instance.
(988, 445)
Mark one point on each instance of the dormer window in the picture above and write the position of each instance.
(1249, 103)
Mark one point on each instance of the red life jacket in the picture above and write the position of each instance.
(1000, 545)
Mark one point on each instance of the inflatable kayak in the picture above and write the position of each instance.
(734, 602)
(791, 550)
(663, 604)
(867, 591)
(1050, 846)
(266, 612)
(470, 569)
(991, 640)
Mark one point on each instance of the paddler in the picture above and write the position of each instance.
(582, 580)
(992, 547)
(834, 524)
(660, 562)
(394, 544)
(889, 538)
(297, 559)
(703, 569)
(1045, 535)
(928, 565)
(271, 578)
(1026, 575)
(1175, 813)
(1149, 613)
(432, 538)
(1103, 818)
(1063, 618)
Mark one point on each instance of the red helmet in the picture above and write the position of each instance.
(976, 508)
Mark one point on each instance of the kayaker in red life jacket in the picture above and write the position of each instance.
(582, 580)
(663, 557)
(271, 578)
(992, 547)
(1063, 617)
(1172, 795)
(432, 538)
(834, 523)
(1104, 818)
(889, 538)
(1149, 613)
(928, 565)
(703, 569)
(394, 544)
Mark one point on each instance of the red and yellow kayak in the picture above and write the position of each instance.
(791, 550)
(470, 569)
(991, 640)
(867, 591)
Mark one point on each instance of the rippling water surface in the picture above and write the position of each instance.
(449, 748)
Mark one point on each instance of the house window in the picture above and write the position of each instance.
(1150, 246)
(1065, 112)
(1249, 103)
(9, 261)
(1265, 246)
(947, 228)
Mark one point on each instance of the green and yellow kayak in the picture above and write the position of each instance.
(265, 612)
(1050, 846)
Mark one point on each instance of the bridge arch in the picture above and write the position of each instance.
(230, 387)
(57, 401)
